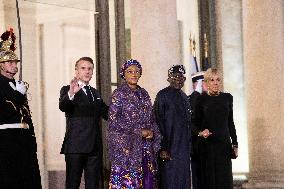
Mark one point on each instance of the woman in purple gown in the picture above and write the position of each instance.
(133, 135)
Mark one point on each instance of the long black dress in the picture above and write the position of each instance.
(216, 114)
(172, 113)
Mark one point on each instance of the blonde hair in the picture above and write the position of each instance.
(209, 74)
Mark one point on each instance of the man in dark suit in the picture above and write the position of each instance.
(82, 144)
(198, 87)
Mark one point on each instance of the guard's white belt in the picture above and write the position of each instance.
(14, 126)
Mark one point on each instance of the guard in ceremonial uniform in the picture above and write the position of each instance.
(18, 158)
(198, 88)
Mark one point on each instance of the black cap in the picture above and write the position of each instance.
(176, 69)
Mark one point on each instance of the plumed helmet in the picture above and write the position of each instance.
(7, 47)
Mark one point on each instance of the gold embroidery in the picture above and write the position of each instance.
(27, 110)
(12, 104)
(24, 110)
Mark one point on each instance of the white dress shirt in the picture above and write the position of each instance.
(82, 87)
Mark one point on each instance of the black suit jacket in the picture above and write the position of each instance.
(83, 134)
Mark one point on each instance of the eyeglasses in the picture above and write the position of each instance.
(133, 72)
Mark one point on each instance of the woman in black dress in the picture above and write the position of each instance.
(213, 123)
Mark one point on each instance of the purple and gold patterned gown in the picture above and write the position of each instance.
(132, 157)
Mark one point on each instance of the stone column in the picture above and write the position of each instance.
(119, 34)
(230, 61)
(154, 41)
(263, 26)
(103, 72)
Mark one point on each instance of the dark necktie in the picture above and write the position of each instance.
(89, 93)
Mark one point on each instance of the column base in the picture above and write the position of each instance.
(269, 180)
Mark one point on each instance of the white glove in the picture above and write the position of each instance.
(198, 87)
(20, 86)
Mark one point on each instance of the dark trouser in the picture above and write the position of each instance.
(175, 174)
(18, 160)
(76, 163)
(196, 172)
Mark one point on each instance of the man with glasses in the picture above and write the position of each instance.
(172, 112)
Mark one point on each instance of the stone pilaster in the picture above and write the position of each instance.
(30, 65)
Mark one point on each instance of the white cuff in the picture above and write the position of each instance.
(71, 97)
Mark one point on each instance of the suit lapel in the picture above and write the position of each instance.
(94, 93)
